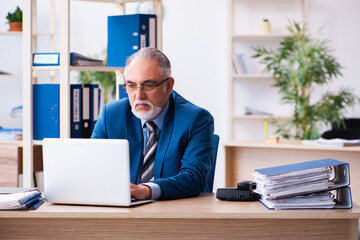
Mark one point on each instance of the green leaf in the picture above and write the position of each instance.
(298, 64)
(16, 16)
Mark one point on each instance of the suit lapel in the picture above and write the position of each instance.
(164, 138)
(135, 137)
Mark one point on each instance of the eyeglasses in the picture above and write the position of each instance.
(130, 87)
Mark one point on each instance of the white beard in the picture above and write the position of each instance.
(146, 115)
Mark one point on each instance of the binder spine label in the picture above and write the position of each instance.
(142, 41)
(96, 104)
(152, 32)
(86, 103)
(76, 104)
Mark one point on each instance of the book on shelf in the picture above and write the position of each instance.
(236, 64)
(77, 59)
(53, 59)
(127, 34)
(17, 112)
(240, 63)
(20, 198)
(11, 134)
(4, 73)
(313, 184)
(84, 105)
(253, 111)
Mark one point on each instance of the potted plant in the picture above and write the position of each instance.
(300, 63)
(15, 20)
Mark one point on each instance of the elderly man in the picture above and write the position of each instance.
(171, 139)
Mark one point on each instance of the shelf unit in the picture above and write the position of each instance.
(35, 36)
(15, 33)
(241, 35)
(7, 77)
(64, 70)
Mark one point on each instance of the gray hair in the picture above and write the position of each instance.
(149, 53)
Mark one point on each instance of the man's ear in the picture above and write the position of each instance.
(170, 85)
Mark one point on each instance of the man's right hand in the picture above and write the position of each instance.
(140, 192)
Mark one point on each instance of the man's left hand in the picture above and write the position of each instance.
(140, 192)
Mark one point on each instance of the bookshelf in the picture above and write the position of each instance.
(10, 78)
(64, 70)
(9, 155)
(253, 89)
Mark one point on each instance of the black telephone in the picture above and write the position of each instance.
(243, 192)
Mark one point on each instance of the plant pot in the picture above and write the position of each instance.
(15, 26)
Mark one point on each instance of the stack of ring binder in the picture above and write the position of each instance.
(313, 184)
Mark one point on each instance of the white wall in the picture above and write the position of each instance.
(11, 62)
(194, 39)
(337, 19)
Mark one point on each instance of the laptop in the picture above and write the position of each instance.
(87, 172)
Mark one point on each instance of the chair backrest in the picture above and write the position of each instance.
(210, 180)
(351, 131)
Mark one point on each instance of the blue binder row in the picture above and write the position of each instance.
(127, 34)
(84, 107)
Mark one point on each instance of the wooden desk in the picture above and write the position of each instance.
(203, 217)
(242, 158)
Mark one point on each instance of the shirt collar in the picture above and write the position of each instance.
(159, 120)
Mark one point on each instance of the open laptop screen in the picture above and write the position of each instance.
(87, 171)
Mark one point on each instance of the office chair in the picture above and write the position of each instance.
(210, 179)
(352, 130)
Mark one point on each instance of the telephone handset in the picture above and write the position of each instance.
(243, 192)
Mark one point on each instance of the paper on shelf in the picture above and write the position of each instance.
(335, 142)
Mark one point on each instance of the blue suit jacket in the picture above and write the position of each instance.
(185, 148)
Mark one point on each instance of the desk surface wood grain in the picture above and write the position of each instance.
(202, 217)
(205, 206)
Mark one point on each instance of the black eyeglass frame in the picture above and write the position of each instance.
(145, 85)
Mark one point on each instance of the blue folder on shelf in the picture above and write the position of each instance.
(127, 34)
(122, 92)
(46, 59)
(45, 111)
(84, 110)
(94, 105)
(76, 110)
